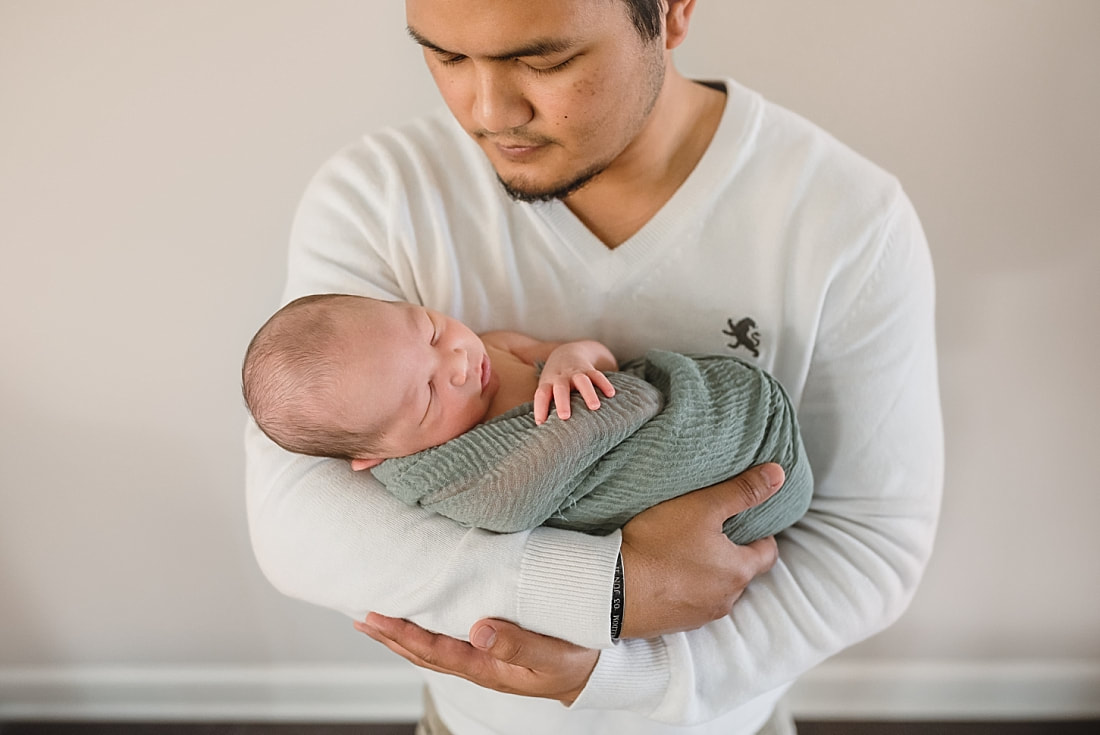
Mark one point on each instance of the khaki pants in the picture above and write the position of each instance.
(780, 723)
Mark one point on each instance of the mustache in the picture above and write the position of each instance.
(515, 137)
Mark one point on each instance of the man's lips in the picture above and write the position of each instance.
(513, 148)
(518, 152)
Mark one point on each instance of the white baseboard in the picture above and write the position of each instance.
(949, 690)
(859, 690)
(388, 693)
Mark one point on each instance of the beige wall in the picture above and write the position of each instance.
(150, 157)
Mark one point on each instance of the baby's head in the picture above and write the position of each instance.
(354, 378)
(295, 373)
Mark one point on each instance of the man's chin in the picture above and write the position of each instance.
(525, 191)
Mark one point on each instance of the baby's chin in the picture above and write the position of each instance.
(488, 398)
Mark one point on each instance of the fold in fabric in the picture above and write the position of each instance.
(676, 423)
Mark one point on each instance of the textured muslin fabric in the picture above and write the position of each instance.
(675, 424)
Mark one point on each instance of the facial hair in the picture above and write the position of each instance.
(558, 192)
(656, 66)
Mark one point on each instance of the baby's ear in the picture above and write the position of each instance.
(364, 464)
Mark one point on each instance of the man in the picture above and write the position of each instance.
(581, 186)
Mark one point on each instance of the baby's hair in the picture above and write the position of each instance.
(291, 373)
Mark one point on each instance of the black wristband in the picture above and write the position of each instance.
(618, 600)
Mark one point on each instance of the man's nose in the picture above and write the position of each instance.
(498, 104)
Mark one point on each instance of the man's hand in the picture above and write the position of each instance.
(680, 570)
(501, 656)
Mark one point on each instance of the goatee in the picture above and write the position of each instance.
(519, 194)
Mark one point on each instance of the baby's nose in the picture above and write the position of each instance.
(461, 368)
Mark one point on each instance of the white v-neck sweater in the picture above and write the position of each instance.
(778, 224)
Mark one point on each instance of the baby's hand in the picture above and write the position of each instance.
(569, 368)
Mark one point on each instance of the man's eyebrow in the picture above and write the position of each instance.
(536, 47)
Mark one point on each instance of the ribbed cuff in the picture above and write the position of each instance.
(633, 675)
(565, 585)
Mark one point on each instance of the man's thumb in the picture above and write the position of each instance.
(483, 636)
(772, 475)
(514, 645)
(754, 486)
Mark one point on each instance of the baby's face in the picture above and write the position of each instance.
(426, 374)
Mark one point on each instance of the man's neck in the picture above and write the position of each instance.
(623, 198)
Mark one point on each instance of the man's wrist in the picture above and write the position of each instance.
(563, 585)
(618, 599)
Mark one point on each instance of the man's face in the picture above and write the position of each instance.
(552, 92)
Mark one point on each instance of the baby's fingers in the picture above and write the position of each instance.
(543, 394)
(583, 383)
(601, 381)
(561, 399)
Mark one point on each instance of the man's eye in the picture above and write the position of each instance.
(449, 59)
(551, 69)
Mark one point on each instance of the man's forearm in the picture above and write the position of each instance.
(333, 537)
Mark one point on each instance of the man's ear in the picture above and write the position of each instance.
(677, 19)
(364, 464)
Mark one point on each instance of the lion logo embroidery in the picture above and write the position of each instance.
(745, 334)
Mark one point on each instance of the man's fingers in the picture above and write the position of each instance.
(407, 639)
(495, 639)
(378, 635)
(516, 646)
(429, 650)
(397, 648)
(561, 667)
(508, 643)
(500, 656)
(765, 554)
(749, 489)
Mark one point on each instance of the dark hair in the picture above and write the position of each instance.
(289, 365)
(646, 16)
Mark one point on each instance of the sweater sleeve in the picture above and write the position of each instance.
(336, 538)
(871, 423)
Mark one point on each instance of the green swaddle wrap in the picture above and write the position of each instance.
(676, 423)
